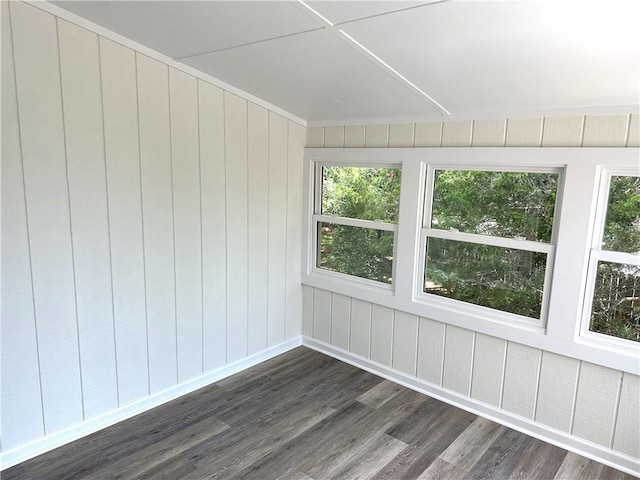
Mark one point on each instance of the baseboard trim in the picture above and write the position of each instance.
(44, 444)
(561, 439)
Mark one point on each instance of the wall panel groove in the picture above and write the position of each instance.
(129, 229)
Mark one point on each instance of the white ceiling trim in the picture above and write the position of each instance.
(127, 42)
(632, 109)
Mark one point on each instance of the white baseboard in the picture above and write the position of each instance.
(49, 442)
(559, 438)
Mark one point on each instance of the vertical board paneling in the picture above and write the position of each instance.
(457, 134)
(21, 413)
(340, 320)
(360, 334)
(322, 315)
(214, 240)
(430, 350)
(405, 340)
(489, 133)
(278, 145)
(488, 369)
(307, 310)
(258, 208)
(354, 136)
(119, 100)
(458, 359)
(235, 112)
(157, 208)
(295, 157)
(562, 132)
(376, 136)
(428, 134)
(43, 152)
(81, 95)
(185, 159)
(521, 379)
(596, 401)
(401, 135)
(524, 132)
(315, 137)
(333, 137)
(381, 334)
(556, 390)
(627, 436)
(605, 131)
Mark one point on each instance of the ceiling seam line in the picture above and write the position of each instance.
(256, 42)
(376, 15)
(393, 71)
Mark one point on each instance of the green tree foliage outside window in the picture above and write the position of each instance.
(616, 301)
(362, 193)
(500, 204)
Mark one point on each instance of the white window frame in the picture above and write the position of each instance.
(317, 217)
(503, 242)
(573, 226)
(596, 255)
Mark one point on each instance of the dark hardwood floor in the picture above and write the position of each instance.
(304, 415)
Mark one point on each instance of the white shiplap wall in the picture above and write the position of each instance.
(587, 401)
(144, 213)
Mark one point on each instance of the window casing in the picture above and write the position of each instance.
(533, 255)
(568, 249)
(620, 280)
(371, 231)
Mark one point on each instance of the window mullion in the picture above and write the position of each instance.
(503, 242)
(355, 222)
(572, 250)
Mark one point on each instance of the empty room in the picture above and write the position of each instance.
(318, 240)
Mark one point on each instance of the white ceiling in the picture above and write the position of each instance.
(384, 61)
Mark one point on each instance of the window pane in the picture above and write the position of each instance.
(622, 224)
(363, 193)
(505, 279)
(616, 301)
(500, 204)
(362, 252)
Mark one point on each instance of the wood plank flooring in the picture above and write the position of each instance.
(306, 416)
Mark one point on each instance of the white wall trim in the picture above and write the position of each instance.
(116, 37)
(42, 445)
(476, 115)
(561, 439)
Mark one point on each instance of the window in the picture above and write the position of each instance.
(613, 302)
(356, 216)
(488, 238)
